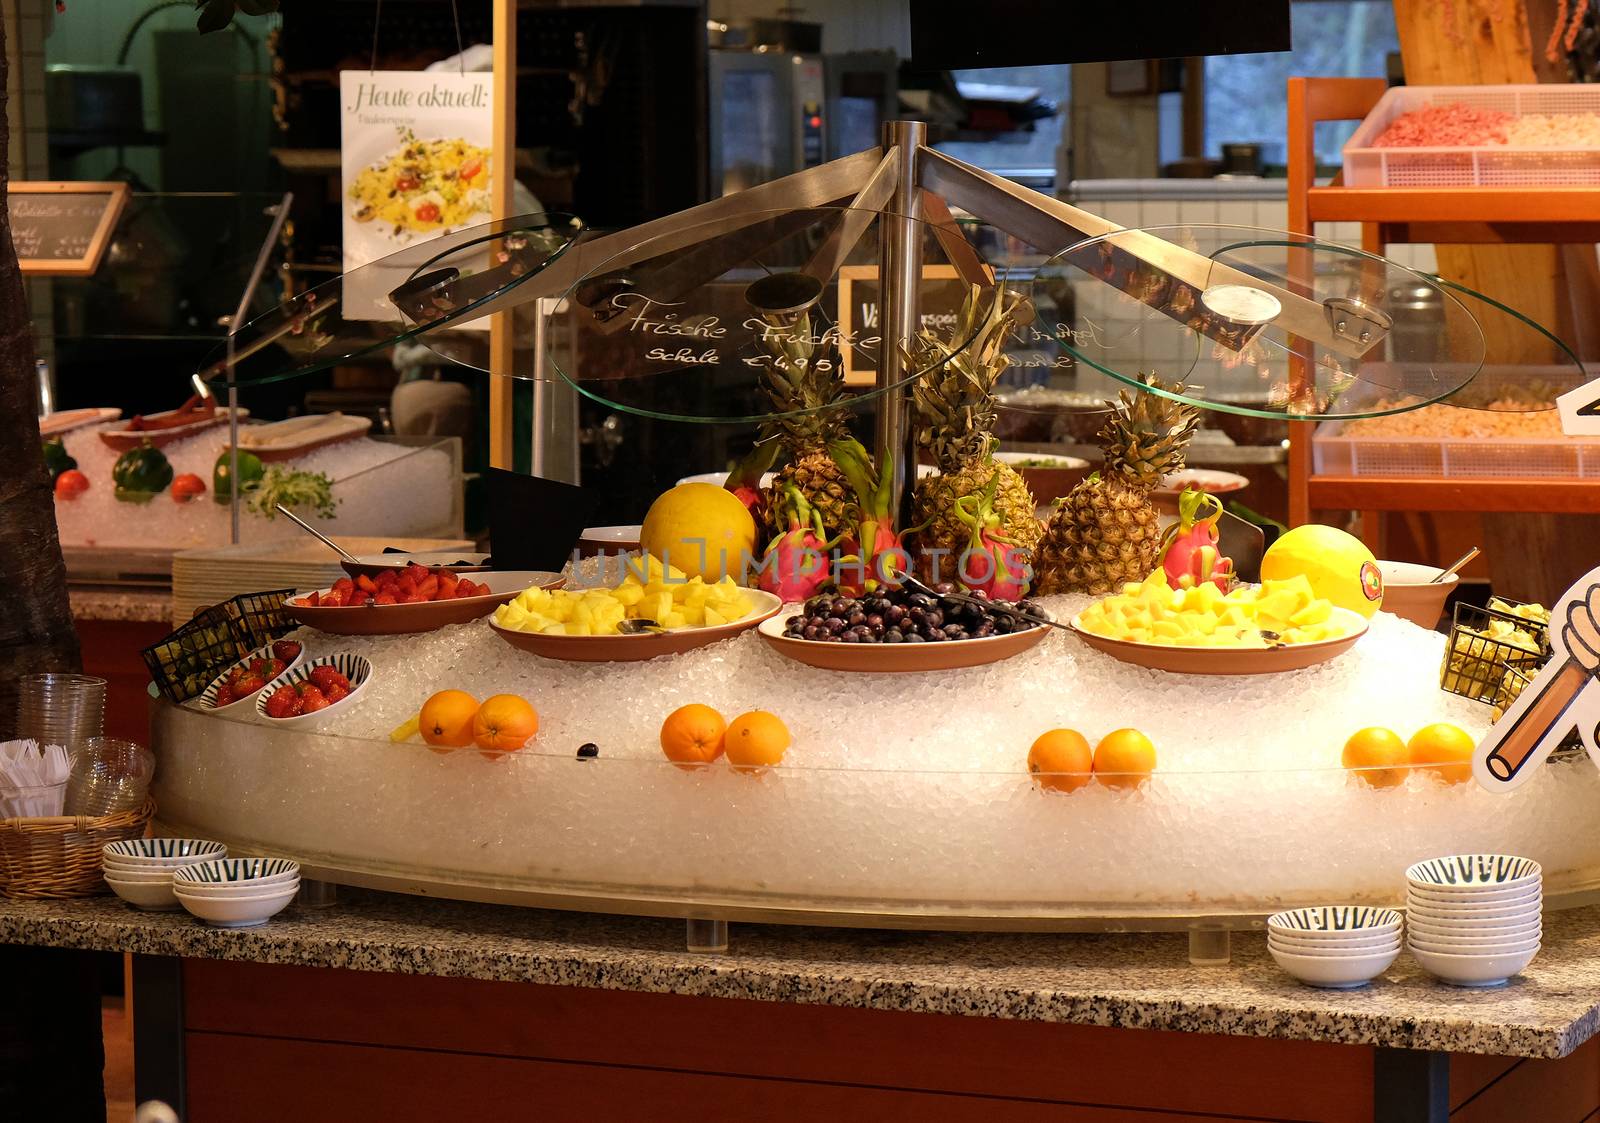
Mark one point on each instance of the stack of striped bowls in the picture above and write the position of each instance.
(1334, 945)
(237, 892)
(1474, 920)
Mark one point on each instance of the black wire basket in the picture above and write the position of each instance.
(183, 664)
(1484, 644)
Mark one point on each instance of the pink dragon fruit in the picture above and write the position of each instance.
(1190, 555)
(991, 563)
(745, 479)
(871, 555)
(795, 564)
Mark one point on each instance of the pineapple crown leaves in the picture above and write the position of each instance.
(801, 383)
(954, 395)
(1145, 436)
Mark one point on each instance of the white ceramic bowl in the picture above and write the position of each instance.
(1478, 931)
(208, 697)
(1492, 947)
(156, 896)
(1518, 896)
(137, 865)
(163, 851)
(1340, 972)
(163, 877)
(355, 668)
(1297, 947)
(1335, 921)
(238, 871)
(237, 912)
(1473, 970)
(1495, 913)
(1410, 592)
(1469, 872)
(244, 890)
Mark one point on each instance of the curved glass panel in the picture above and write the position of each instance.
(427, 286)
(1270, 324)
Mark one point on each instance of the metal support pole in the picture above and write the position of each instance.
(900, 287)
(555, 406)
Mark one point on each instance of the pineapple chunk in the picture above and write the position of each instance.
(628, 594)
(713, 618)
(554, 629)
(673, 620)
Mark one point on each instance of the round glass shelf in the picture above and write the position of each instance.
(1270, 324)
(714, 323)
(426, 287)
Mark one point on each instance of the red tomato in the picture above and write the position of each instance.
(71, 484)
(187, 487)
(428, 212)
(407, 183)
(469, 169)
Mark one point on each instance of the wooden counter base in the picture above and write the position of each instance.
(263, 1043)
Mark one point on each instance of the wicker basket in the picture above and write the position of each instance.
(59, 856)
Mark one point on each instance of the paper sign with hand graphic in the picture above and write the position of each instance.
(1564, 696)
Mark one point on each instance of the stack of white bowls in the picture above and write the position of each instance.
(140, 870)
(1334, 945)
(237, 892)
(1474, 920)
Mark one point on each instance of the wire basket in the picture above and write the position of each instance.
(60, 857)
(183, 664)
(1484, 644)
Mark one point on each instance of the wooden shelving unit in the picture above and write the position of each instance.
(1393, 216)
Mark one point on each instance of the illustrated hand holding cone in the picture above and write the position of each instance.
(1560, 698)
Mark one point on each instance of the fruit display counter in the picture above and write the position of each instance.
(903, 799)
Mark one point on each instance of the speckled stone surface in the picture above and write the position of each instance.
(1140, 981)
(120, 604)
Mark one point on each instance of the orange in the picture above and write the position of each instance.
(1380, 754)
(756, 741)
(693, 735)
(1061, 760)
(446, 718)
(504, 723)
(1447, 747)
(1124, 758)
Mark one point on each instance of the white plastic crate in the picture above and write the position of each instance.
(1338, 452)
(1478, 165)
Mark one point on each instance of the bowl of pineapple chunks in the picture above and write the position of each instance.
(593, 625)
(1249, 630)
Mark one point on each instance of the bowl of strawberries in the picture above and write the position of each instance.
(240, 682)
(417, 598)
(314, 690)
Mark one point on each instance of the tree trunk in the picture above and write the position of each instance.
(36, 631)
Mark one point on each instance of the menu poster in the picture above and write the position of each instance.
(63, 228)
(416, 155)
(942, 295)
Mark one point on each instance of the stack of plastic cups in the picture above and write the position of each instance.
(61, 709)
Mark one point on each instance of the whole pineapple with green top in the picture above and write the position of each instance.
(1106, 531)
(955, 404)
(804, 381)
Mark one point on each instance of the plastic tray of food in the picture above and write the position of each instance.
(1442, 440)
(1538, 135)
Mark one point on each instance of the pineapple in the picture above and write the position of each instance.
(1106, 533)
(955, 418)
(800, 378)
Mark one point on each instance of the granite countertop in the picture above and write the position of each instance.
(120, 603)
(1135, 981)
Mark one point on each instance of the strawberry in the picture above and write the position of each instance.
(385, 597)
(466, 588)
(311, 600)
(335, 691)
(323, 675)
(259, 666)
(286, 649)
(334, 599)
(344, 587)
(387, 579)
(312, 698)
(366, 584)
(428, 588)
(225, 695)
(283, 702)
(248, 683)
(447, 584)
(413, 597)
(273, 669)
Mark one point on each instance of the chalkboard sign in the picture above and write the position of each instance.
(62, 229)
(943, 293)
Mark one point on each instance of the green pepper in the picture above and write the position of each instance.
(140, 473)
(250, 471)
(56, 458)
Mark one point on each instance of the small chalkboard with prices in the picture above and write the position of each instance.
(62, 228)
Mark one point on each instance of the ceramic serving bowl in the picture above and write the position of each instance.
(245, 874)
(1477, 930)
(153, 895)
(1335, 971)
(242, 891)
(1306, 947)
(1517, 894)
(1474, 873)
(354, 668)
(208, 698)
(164, 851)
(1410, 592)
(1474, 947)
(151, 876)
(1502, 915)
(237, 912)
(1332, 921)
(1473, 970)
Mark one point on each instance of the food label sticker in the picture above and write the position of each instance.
(1561, 698)
(417, 161)
(1371, 581)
